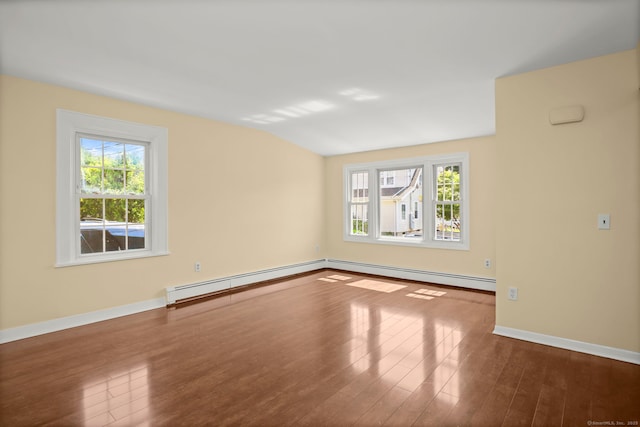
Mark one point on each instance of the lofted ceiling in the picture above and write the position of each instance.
(331, 76)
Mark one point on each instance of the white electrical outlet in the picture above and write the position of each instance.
(513, 294)
(196, 267)
(487, 263)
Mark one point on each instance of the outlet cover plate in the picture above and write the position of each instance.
(604, 222)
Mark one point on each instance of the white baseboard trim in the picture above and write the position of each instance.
(567, 344)
(40, 328)
(175, 293)
(470, 282)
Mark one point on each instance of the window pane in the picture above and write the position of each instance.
(113, 181)
(91, 180)
(447, 224)
(360, 187)
(91, 226)
(115, 224)
(359, 194)
(113, 155)
(135, 182)
(90, 152)
(136, 217)
(111, 168)
(114, 210)
(448, 182)
(135, 156)
(405, 188)
(447, 208)
(359, 220)
(91, 239)
(387, 178)
(446, 175)
(91, 209)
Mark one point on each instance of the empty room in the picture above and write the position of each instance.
(359, 212)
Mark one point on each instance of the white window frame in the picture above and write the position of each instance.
(70, 125)
(428, 201)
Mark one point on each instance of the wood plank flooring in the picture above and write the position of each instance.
(311, 351)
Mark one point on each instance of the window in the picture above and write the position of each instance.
(113, 200)
(447, 202)
(393, 204)
(436, 188)
(359, 203)
(111, 189)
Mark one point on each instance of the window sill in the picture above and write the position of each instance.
(98, 259)
(459, 246)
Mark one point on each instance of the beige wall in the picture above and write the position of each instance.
(536, 190)
(574, 280)
(482, 170)
(240, 200)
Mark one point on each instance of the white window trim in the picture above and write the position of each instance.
(428, 201)
(69, 124)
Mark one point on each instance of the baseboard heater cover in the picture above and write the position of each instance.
(177, 293)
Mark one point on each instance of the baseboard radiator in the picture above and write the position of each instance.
(192, 290)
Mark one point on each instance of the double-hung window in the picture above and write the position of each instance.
(358, 203)
(420, 202)
(111, 189)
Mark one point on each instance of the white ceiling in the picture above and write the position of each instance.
(332, 76)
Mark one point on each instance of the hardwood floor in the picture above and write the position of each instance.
(313, 350)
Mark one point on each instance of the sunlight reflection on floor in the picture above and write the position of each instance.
(121, 397)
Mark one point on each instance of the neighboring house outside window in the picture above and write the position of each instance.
(393, 203)
(111, 189)
(387, 178)
(436, 186)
